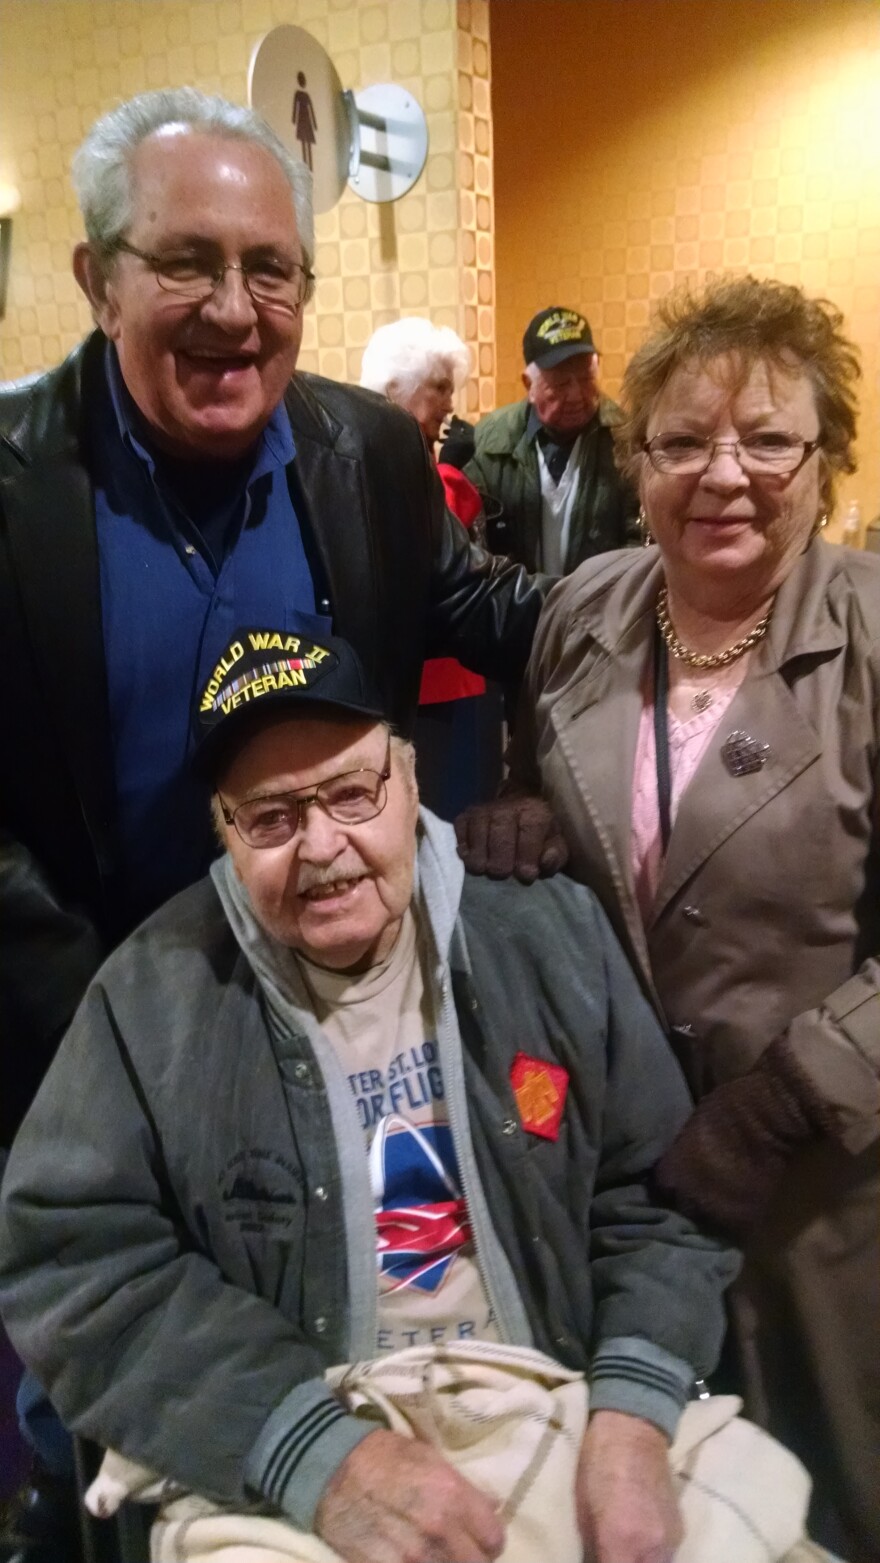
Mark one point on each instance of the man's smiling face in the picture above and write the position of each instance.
(334, 892)
(206, 374)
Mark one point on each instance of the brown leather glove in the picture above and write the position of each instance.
(513, 835)
(722, 1168)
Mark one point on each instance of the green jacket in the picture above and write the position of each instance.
(505, 468)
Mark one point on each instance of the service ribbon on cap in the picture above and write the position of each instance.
(301, 664)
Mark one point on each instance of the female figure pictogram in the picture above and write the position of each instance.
(304, 120)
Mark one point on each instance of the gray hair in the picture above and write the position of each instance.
(101, 166)
(405, 354)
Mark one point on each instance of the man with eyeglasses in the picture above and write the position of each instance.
(548, 461)
(172, 478)
(337, 1104)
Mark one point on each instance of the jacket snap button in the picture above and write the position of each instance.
(320, 1324)
(474, 1003)
(508, 1126)
(321, 1193)
(301, 1072)
(694, 915)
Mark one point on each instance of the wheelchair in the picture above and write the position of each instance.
(125, 1536)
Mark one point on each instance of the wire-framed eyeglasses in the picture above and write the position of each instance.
(350, 799)
(282, 284)
(766, 453)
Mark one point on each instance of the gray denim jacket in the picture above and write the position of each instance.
(187, 1236)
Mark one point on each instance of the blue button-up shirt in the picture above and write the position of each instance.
(189, 552)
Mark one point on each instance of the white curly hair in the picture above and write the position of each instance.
(402, 356)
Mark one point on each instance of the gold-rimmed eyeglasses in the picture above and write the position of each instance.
(350, 799)
(281, 284)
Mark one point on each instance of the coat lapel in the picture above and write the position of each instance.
(585, 499)
(327, 481)
(597, 723)
(527, 524)
(596, 727)
(717, 803)
(50, 520)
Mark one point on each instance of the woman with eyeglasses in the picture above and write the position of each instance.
(703, 717)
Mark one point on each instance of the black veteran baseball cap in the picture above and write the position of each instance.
(274, 673)
(556, 334)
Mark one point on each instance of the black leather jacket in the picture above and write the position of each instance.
(403, 582)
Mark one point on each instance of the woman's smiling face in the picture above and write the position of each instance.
(726, 522)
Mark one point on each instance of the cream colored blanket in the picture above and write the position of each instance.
(511, 1421)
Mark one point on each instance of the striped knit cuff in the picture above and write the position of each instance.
(301, 1445)
(633, 1375)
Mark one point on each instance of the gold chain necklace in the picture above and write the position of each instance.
(706, 659)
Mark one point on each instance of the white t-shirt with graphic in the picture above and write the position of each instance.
(382, 1027)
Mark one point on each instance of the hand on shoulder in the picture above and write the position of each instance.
(516, 835)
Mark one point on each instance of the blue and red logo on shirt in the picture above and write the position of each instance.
(421, 1214)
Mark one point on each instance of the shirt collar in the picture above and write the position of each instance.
(533, 424)
(534, 428)
(275, 447)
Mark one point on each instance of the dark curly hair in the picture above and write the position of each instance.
(751, 320)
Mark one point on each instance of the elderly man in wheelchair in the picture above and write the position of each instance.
(333, 1220)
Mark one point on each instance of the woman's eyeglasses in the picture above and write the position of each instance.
(767, 452)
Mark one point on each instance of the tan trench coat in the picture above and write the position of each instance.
(767, 917)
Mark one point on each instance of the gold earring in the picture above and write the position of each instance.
(820, 525)
(644, 528)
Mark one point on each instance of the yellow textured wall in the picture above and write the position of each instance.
(63, 62)
(639, 143)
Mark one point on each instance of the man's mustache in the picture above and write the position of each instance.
(313, 876)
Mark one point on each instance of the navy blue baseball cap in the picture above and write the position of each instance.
(274, 673)
(556, 334)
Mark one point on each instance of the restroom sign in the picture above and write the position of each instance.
(294, 85)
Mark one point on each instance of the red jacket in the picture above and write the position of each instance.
(444, 678)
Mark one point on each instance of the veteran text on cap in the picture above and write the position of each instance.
(281, 673)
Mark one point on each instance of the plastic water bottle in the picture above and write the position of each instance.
(851, 534)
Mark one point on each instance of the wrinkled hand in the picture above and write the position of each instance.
(627, 1509)
(512, 835)
(393, 1500)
